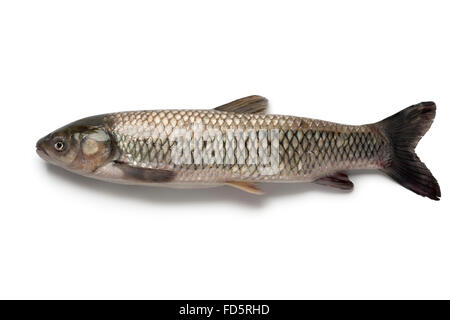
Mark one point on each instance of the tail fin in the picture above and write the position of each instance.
(404, 130)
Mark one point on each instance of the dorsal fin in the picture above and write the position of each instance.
(250, 104)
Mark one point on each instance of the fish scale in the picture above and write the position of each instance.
(307, 148)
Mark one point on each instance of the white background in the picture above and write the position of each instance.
(65, 236)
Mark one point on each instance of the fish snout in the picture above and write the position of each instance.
(40, 147)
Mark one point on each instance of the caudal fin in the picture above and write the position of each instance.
(404, 130)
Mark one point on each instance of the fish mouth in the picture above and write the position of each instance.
(42, 153)
(40, 150)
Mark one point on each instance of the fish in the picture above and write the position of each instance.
(240, 145)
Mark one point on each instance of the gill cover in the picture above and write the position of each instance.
(95, 149)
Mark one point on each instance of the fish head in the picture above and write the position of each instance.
(81, 146)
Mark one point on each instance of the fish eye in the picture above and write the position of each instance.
(59, 145)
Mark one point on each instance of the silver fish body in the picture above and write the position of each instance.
(215, 146)
(238, 144)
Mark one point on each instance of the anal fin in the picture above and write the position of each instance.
(338, 180)
(245, 186)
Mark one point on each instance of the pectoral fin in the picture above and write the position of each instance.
(338, 180)
(145, 174)
(250, 104)
(245, 186)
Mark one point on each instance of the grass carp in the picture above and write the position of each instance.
(238, 144)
